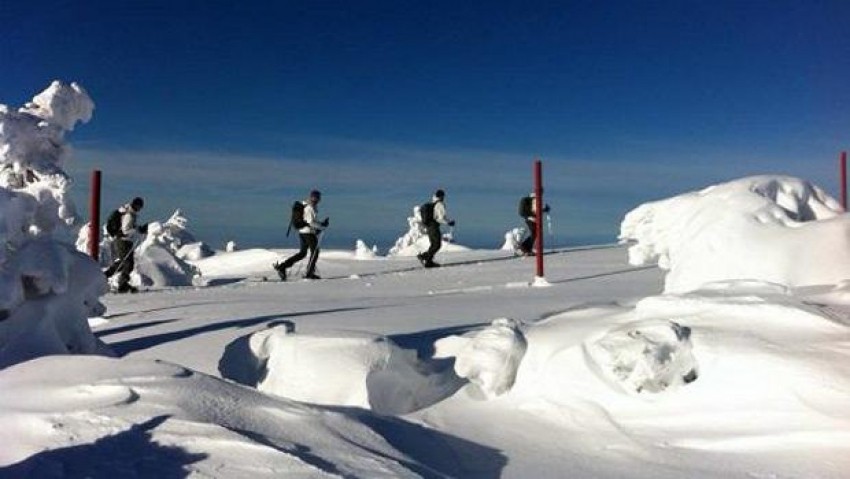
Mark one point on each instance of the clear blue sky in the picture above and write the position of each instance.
(231, 110)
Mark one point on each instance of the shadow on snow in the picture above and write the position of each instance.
(123, 348)
(130, 453)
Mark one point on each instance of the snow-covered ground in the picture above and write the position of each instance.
(729, 359)
(360, 375)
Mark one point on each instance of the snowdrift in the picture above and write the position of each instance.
(153, 419)
(340, 368)
(769, 228)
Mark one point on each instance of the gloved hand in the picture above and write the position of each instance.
(325, 223)
(143, 229)
(546, 209)
(451, 222)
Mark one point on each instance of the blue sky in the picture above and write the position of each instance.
(230, 110)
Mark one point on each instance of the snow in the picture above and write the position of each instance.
(47, 289)
(776, 229)
(415, 240)
(732, 360)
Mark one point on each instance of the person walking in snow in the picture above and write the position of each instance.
(528, 212)
(433, 214)
(121, 227)
(305, 219)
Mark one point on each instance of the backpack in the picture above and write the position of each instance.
(426, 214)
(297, 219)
(525, 209)
(113, 224)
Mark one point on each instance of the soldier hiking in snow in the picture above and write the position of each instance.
(528, 210)
(433, 214)
(121, 227)
(305, 220)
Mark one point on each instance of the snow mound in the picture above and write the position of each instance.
(344, 369)
(117, 418)
(649, 358)
(489, 358)
(770, 228)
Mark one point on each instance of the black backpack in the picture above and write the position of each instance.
(525, 207)
(297, 219)
(426, 214)
(113, 224)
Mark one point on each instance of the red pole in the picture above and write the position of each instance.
(844, 180)
(94, 218)
(538, 214)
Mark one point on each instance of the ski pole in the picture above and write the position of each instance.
(116, 265)
(549, 223)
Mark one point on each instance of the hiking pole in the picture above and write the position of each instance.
(116, 265)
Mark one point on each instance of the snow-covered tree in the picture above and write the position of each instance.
(47, 288)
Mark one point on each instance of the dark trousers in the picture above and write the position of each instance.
(122, 261)
(435, 237)
(309, 241)
(528, 244)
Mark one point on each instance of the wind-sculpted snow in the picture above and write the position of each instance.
(342, 368)
(111, 418)
(488, 358)
(645, 358)
(47, 290)
(769, 228)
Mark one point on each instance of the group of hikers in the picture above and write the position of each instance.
(122, 227)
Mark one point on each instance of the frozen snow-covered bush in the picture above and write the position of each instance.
(47, 289)
(161, 258)
(361, 251)
(513, 239)
(230, 246)
(645, 358)
(158, 260)
(415, 240)
(777, 229)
